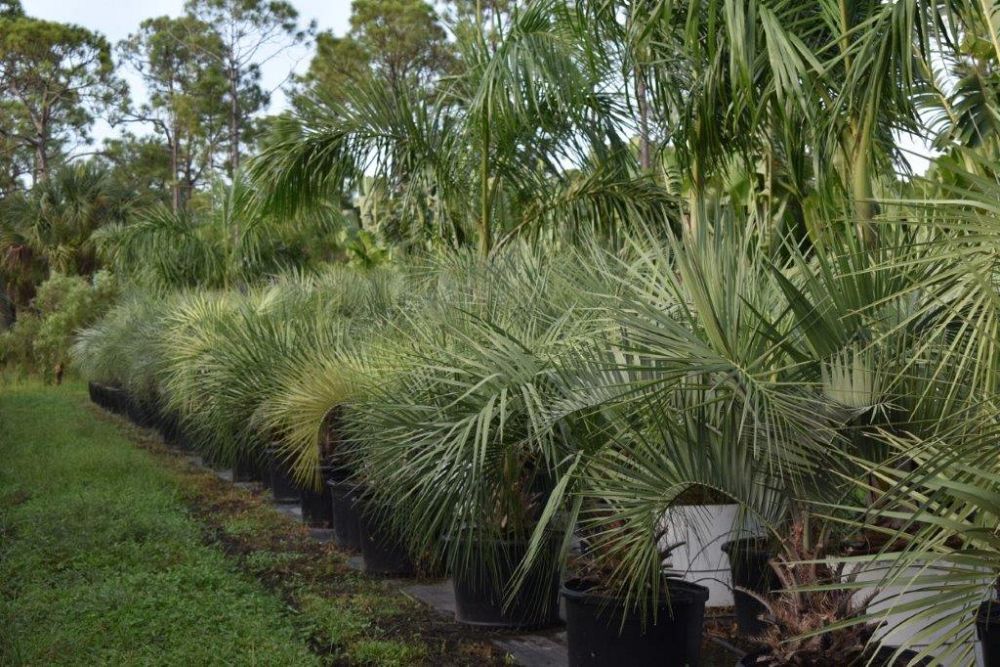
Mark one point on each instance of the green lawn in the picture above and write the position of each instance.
(99, 561)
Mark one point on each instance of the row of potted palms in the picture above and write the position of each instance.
(612, 424)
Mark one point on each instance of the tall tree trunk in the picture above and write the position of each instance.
(858, 161)
(175, 181)
(41, 159)
(41, 171)
(8, 315)
(234, 120)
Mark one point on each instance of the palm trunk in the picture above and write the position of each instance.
(485, 237)
(643, 104)
(640, 91)
(860, 181)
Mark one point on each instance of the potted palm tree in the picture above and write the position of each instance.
(661, 620)
(459, 443)
(305, 410)
(810, 618)
(710, 384)
(940, 516)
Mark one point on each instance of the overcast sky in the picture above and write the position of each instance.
(115, 19)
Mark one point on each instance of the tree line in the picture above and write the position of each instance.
(204, 110)
(472, 123)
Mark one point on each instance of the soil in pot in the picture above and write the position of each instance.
(597, 637)
(883, 658)
(480, 590)
(750, 569)
(279, 478)
(988, 632)
(345, 510)
(317, 505)
(383, 552)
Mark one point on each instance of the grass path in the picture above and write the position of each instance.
(99, 563)
(115, 554)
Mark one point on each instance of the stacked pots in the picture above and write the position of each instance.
(701, 531)
(170, 429)
(358, 527)
(247, 468)
(139, 412)
(113, 399)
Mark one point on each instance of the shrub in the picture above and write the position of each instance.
(40, 340)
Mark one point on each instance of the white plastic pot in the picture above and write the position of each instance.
(704, 529)
(899, 627)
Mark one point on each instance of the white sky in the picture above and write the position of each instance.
(115, 19)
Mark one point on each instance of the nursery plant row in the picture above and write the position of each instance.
(645, 434)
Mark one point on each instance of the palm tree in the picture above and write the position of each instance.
(51, 228)
(934, 490)
(526, 125)
(224, 242)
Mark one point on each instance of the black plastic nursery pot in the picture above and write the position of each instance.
(170, 429)
(346, 513)
(247, 468)
(99, 394)
(883, 658)
(749, 564)
(279, 478)
(119, 401)
(381, 549)
(94, 390)
(115, 399)
(988, 631)
(597, 636)
(481, 591)
(317, 505)
(135, 411)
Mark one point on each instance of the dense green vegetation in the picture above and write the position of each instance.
(541, 272)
